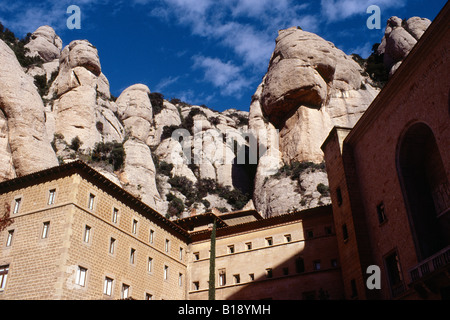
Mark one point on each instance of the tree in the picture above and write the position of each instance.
(5, 219)
(212, 264)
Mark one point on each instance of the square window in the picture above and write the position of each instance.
(269, 273)
(81, 276)
(3, 276)
(269, 241)
(251, 276)
(196, 256)
(231, 249)
(287, 238)
(196, 285)
(248, 245)
(51, 196)
(148, 296)
(309, 234)
(237, 278)
(125, 291)
(107, 288)
(316, 265)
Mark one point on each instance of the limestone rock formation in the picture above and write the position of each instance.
(81, 106)
(310, 86)
(399, 39)
(45, 43)
(26, 145)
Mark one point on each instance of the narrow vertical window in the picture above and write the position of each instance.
(339, 196)
(125, 291)
(112, 245)
(166, 272)
(181, 253)
(10, 238)
(344, 232)
(381, 213)
(107, 288)
(134, 228)
(81, 276)
(354, 289)
(180, 279)
(132, 255)
(150, 265)
(17, 203)
(45, 229)
(91, 201)
(222, 277)
(152, 236)
(3, 276)
(114, 215)
(167, 245)
(51, 196)
(87, 234)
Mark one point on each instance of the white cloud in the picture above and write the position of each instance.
(166, 82)
(337, 10)
(224, 75)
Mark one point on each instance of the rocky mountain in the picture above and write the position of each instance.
(179, 158)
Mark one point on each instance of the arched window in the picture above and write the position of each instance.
(425, 189)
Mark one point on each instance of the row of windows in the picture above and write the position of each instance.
(299, 268)
(90, 205)
(309, 234)
(81, 280)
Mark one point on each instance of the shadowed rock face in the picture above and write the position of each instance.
(25, 145)
(399, 39)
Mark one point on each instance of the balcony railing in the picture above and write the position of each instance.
(437, 261)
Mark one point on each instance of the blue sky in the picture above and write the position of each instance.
(204, 51)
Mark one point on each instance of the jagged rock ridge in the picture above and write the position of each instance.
(310, 87)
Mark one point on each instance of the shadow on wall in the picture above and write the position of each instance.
(311, 272)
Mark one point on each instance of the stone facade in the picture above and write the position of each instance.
(76, 235)
(389, 180)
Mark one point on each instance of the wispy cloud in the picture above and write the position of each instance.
(165, 83)
(223, 75)
(338, 10)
